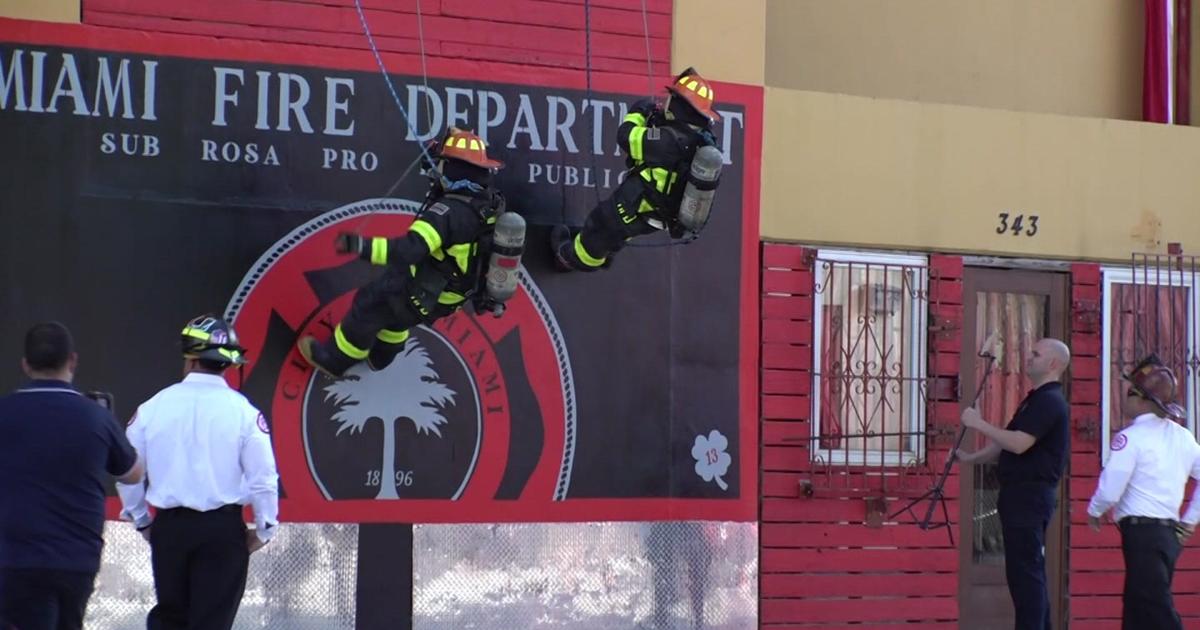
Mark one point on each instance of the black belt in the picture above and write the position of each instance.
(184, 510)
(1146, 520)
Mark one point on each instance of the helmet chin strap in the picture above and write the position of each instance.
(461, 184)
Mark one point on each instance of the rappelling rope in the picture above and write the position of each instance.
(424, 152)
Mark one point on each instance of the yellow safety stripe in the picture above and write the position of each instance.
(461, 254)
(461, 142)
(661, 178)
(427, 232)
(584, 256)
(379, 250)
(196, 333)
(451, 298)
(636, 118)
(636, 149)
(392, 336)
(232, 355)
(346, 347)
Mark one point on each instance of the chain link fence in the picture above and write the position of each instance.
(303, 580)
(660, 575)
(643, 576)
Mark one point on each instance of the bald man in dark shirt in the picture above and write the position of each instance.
(1033, 450)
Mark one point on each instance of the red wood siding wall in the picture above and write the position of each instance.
(1097, 569)
(816, 569)
(547, 34)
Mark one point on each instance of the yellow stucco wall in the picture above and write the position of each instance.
(890, 173)
(43, 10)
(723, 39)
(1078, 57)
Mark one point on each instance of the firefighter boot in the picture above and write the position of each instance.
(382, 355)
(332, 363)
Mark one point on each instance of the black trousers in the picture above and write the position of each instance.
(1150, 551)
(199, 561)
(44, 599)
(1025, 511)
(379, 319)
(606, 228)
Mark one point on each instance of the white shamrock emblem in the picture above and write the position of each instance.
(711, 459)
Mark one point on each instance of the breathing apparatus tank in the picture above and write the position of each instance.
(701, 188)
(504, 262)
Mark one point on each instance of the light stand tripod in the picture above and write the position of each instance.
(936, 494)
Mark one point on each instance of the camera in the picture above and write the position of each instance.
(104, 399)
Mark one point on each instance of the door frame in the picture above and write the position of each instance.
(1056, 286)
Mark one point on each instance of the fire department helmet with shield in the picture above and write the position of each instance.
(1152, 380)
(210, 338)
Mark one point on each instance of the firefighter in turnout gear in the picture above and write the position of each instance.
(660, 145)
(432, 270)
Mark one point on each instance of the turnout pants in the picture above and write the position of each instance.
(44, 599)
(1151, 548)
(1025, 511)
(378, 323)
(608, 226)
(199, 560)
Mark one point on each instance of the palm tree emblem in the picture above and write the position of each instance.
(408, 388)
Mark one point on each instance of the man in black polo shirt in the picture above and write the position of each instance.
(1033, 455)
(57, 452)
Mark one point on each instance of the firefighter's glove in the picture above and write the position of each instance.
(676, 229)
(646, 107)
(483, 303)
(347, 243)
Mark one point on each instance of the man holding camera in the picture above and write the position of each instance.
(1143, 483)
(57, 452)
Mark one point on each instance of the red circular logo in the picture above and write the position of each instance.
(475, 409)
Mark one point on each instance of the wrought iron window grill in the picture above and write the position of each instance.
(1150, 306)
(869, 387)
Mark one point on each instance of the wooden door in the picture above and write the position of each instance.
(1021, 306)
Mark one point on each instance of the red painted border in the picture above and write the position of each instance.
(201, 47)
(570, 510)
(751, 97)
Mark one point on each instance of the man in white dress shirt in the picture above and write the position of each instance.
(1143, 484)
(208, 452)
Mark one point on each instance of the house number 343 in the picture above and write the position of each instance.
(1018, 225)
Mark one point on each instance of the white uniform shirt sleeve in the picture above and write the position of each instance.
(1192, 516)
(260, 475)
(133, 496)
(1122, 460)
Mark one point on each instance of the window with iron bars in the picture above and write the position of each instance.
(1149, 306)
(869, 321)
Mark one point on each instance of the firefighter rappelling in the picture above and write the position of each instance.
(463, 246)
(674, 168)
